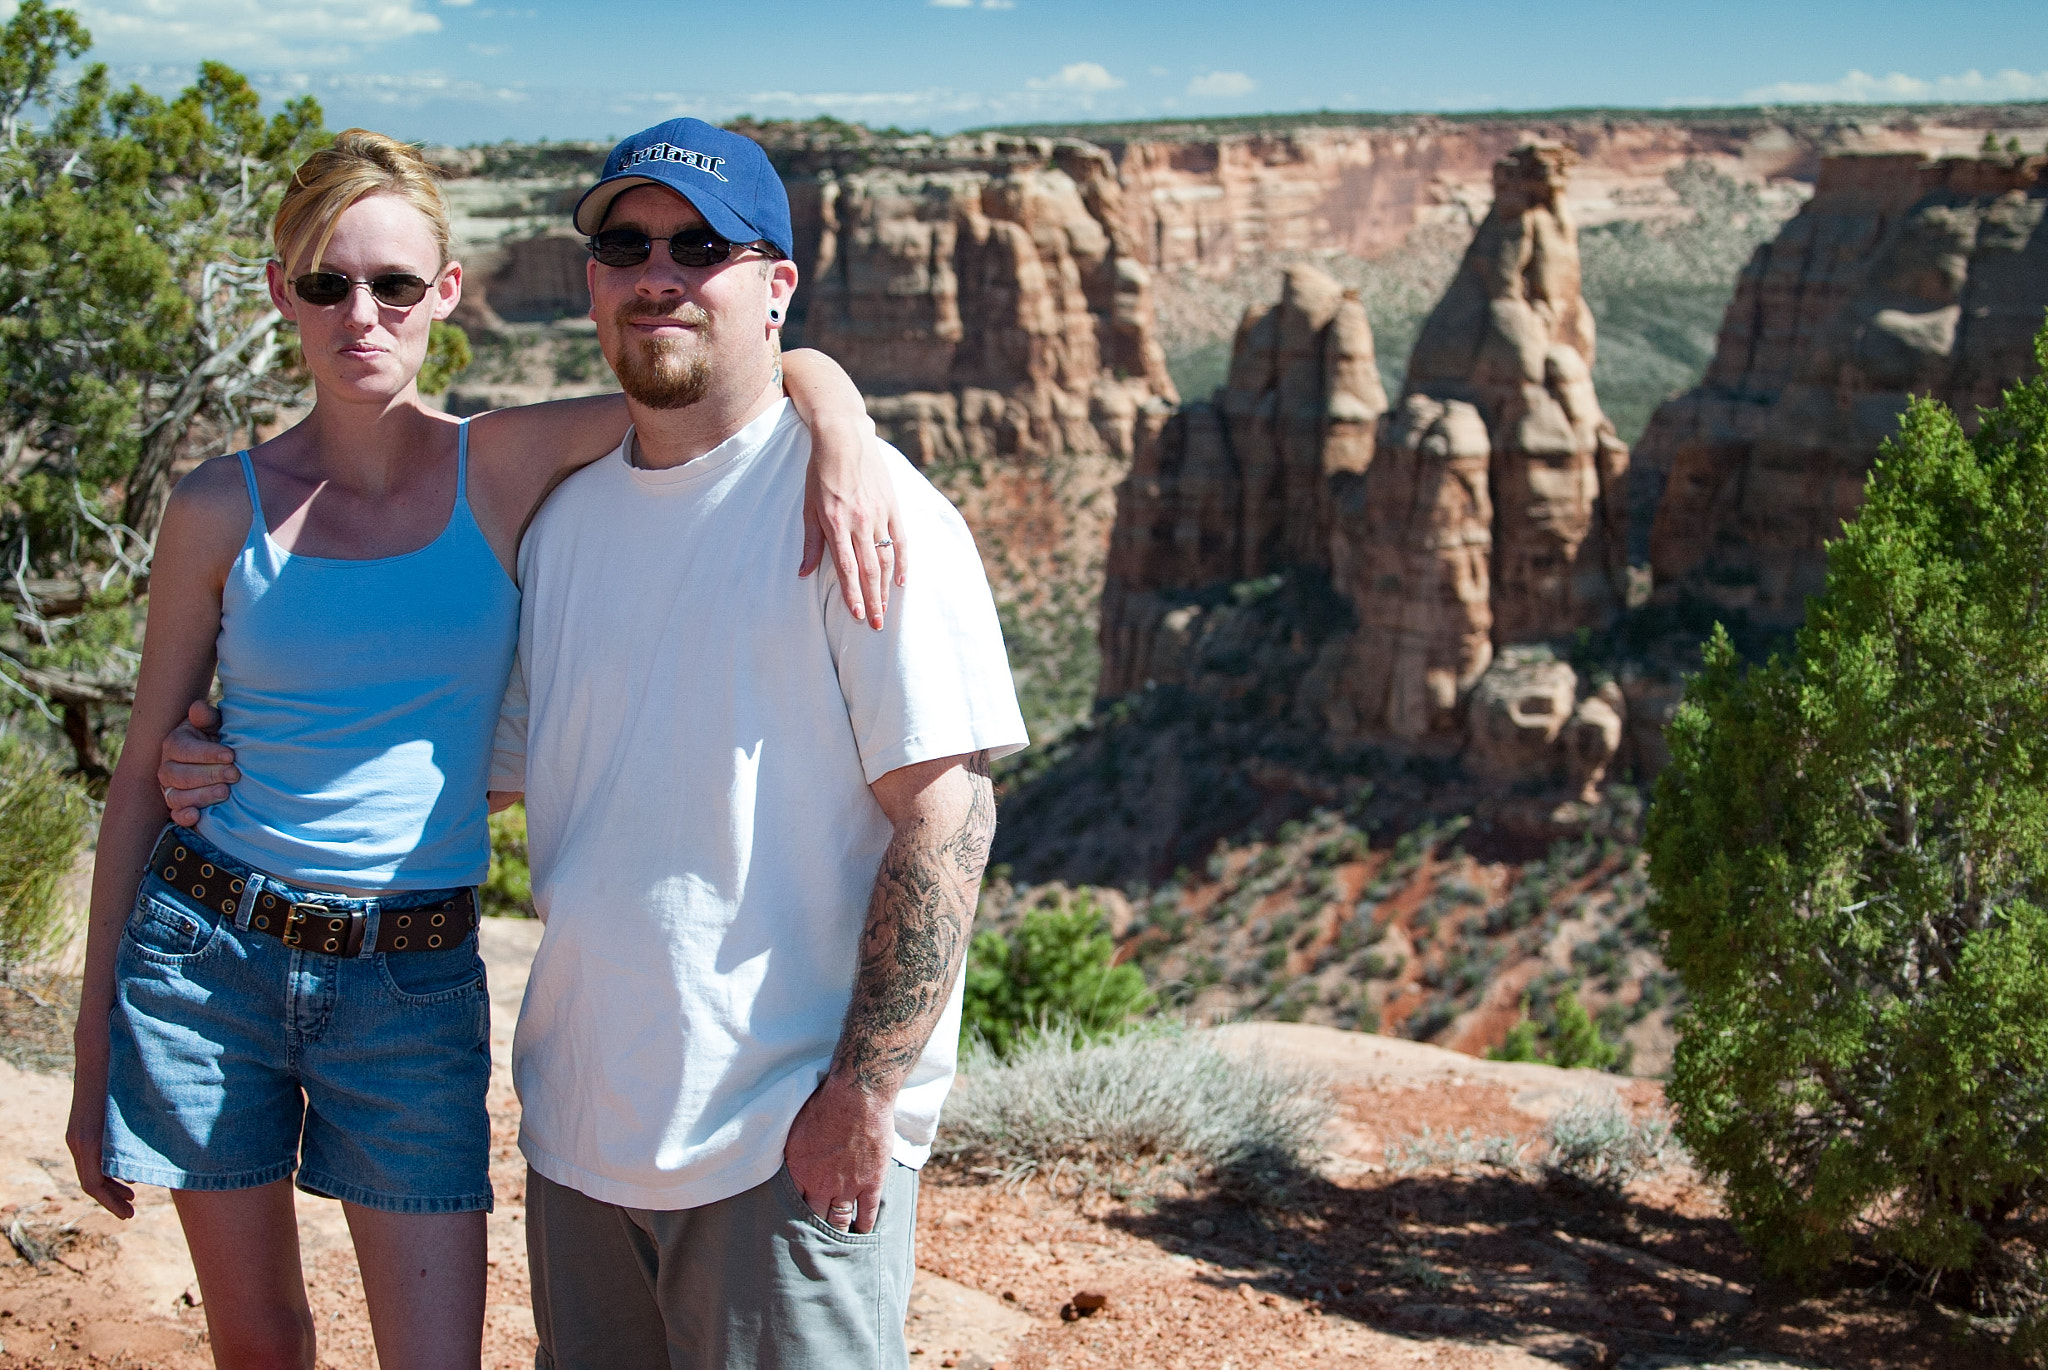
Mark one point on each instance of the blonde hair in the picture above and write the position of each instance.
(357, 163)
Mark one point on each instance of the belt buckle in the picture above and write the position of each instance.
(352, 945)
(297, 914)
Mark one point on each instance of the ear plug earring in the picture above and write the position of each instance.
(774, 316)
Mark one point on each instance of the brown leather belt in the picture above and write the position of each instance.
(280, 910)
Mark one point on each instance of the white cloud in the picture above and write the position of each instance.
(952, 4)
(1221, 85)
(250, 31)
(401, 91)
(458, 3)
(1860, 87)
(1087, 78)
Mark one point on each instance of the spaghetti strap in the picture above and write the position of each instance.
(462, 461)
(256, 519)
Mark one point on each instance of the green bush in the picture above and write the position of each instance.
(508, 892)
(1573, 1039)
(43, 814)
(1055, 969)
(448, 356)
(1850, 851)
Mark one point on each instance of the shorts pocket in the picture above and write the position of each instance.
(166, 931)
(434, 977)
(798, 1211)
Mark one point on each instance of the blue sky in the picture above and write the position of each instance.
(476, 70)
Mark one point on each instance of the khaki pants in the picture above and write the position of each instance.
(753, 1282)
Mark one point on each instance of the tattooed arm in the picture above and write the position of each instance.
(919, 918)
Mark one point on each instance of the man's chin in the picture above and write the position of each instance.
(662, 383)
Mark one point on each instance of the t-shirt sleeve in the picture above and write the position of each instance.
(935, 681)
(508, 745)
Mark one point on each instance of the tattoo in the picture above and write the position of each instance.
(776, 379)
(916, 937)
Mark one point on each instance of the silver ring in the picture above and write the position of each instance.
(885, 542)
(167, 794)
(841, 1206)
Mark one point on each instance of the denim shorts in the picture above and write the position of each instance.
(236, 1060)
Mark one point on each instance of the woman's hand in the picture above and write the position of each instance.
(85, 1132)
(850, 507)
(850, 504)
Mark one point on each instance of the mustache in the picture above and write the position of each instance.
(688, 312)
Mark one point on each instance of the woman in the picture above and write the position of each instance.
(294, 987)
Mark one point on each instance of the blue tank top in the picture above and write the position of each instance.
(361, 698)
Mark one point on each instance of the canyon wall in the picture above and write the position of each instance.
(992, 306)
(1211, 202)
(1901, 277)
(1478, 524)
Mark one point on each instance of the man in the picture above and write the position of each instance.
(757, 828)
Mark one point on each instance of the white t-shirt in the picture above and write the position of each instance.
(702, 731)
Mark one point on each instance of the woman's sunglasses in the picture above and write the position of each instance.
(698, 247)
(397, 289)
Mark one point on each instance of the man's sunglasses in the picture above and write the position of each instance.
(697, 247)
(397, 289)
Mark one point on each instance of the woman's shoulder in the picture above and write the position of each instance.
(210, 502)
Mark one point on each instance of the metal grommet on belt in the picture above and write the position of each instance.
(305, 918)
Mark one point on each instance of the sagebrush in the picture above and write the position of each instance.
(1160, 1103)
(1595, 1142)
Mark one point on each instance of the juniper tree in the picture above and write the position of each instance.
(135, 331)
(1850, 853)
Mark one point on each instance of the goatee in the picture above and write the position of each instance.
(661, 373)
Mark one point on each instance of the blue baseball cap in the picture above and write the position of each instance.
(725, 175)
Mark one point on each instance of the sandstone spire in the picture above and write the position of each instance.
(1242, 485)
(1513, 337)
(1493, 511)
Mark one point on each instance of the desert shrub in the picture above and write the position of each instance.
(1057, 967)
(1559, 1032)
(1850, 851)
(1459, 1152)
(1595, 1142)
(1162, 1102)
(43, 814)
(508, 891)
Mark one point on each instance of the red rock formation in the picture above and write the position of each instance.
(1411, 547)
(1482, 519)
(989, 306)
(1493, 511)
(1901, 277)
(1242, 485)
(1513, 337)
(1214, 202)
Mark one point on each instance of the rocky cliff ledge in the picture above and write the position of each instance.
(1901, 277)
